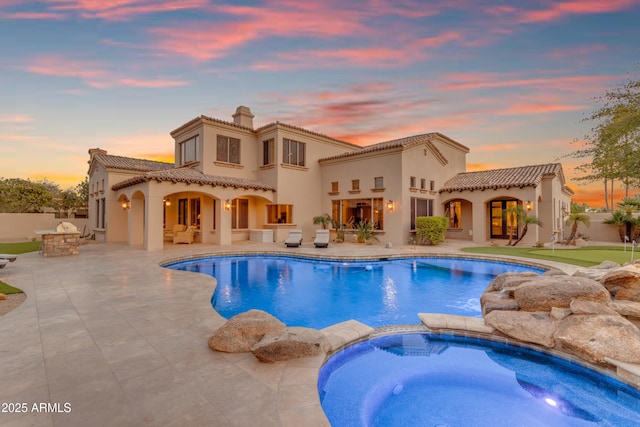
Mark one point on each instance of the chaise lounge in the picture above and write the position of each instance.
(294, 239)
(322, 239)
(3, 263)
(8, 257)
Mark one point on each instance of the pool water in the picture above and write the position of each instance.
(319, 293)
(436, 380)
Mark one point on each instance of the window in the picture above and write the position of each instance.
(228, 150)
(334, 187)
(239, 214)
(97, 213)
(182, 211)
(455, 212)
(423, 184)
(355, 184)
(194, 212)
(420, 207)
(432, 185)
(188, 151)
(279, 214)
(349, 212)
(412, 182)
(378, 182)
(268, 148)
(293, 152)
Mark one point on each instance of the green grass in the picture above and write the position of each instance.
(19, 248)
(8, 289)
(585, 257)
(16, 248)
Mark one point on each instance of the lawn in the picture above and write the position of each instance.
(16, 248)
(19, 248)
(586, 256)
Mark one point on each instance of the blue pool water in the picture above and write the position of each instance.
(319, 293)
(429, 380)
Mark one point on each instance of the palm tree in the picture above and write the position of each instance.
(525, 221)
(513, 213)
(324, 219)
(574, 219)
(625, 222)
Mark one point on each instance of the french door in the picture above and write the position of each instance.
(501, 224)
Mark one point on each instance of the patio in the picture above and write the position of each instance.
(124, 342)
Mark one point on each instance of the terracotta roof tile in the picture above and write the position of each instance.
(131, 164)
(406, 142)
(524, 176)
(192, 176)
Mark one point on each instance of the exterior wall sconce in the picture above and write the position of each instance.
(126, 204)
(166, 202)
(529, 205)
(227, 205)
(390, 205)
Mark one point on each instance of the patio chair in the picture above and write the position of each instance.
(3, 263)
(8, 257)
(170, 234)
(322, 239)
(294, 239)
(184, 236)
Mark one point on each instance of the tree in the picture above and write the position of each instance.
(522, 220)
(625, 222)
(324, 219)
(82, 191)
(24, 196)
(613, 145)
(576, 218)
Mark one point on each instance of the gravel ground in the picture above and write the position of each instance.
(12, 301)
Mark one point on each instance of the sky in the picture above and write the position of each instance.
(511, 80)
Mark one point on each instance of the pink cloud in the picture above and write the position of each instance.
(518, 109)
(119, 10)
(496, 147)
(505, 80)
(92, 74)
(577, 51)
(557, 10)
(15, 118)
(31, 15)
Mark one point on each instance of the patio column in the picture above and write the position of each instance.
(480, 222)
(224, 225)
(153, 239)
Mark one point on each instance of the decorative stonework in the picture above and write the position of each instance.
(60, 244)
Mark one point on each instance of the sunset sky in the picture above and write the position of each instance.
(512, 80)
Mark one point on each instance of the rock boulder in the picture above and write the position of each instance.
(243, 331)
(295, 343)
(558, 291)
(532, 327)
(594, 337)
(623, 282)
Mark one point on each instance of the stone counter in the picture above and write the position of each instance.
(59, 243)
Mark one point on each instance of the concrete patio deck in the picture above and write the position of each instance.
(123, 342)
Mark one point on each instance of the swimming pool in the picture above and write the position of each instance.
(317, 293)
(446, 380)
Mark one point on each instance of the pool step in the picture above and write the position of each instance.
(450, 321)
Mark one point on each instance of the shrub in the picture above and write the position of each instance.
(430, 230)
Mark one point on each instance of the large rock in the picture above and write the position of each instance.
(626, 308)
(558, 291)
(589, 307)
(594, 337)
(509, 280)
(623, 282)
(490, 301)
(533, 327)
(295, 343)
(243, 331)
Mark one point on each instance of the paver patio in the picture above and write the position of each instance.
(123, 342)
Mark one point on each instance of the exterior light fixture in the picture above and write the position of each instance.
(529, 205)
(166, 202)
(227, 205)
(126, 204)
(390, 205)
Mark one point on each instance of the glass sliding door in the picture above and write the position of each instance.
(502, 224)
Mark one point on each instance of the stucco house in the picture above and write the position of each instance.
(231, 182)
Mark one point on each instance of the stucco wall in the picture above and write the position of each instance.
(19, 227)
(597, 231)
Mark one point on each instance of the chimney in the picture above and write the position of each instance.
(243, 117)
(94, 151)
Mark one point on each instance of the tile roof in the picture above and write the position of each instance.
(403, 143)
(524, 176)
(131, 164)
(192, 176)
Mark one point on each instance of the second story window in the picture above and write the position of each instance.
(423, 184)
(334, 187)
(268, 152)
(378, 182)
(293, 152)
(228, 150)
(355, 184)
(189, 151)
(412, 182)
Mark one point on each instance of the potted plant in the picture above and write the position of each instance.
(324, 219)
(365, 231)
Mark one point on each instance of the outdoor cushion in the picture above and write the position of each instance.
(8, 257)
(322, 239)
(184, 236)
(3, 262)
(294, 239)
